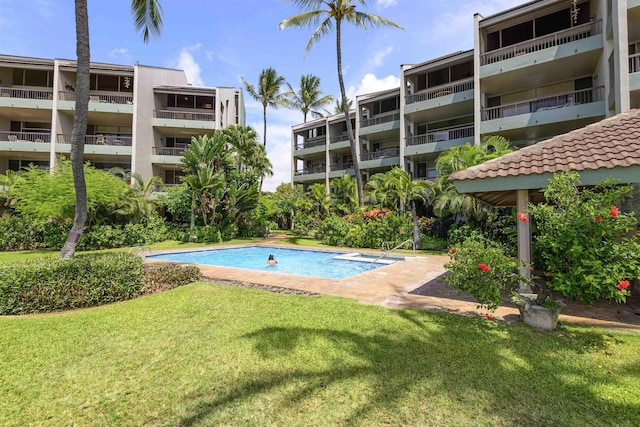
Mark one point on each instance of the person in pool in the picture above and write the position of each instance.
(271, 260)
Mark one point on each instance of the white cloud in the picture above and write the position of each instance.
(120, 53)
(279, 152)
(378, 58)
(187, 63)
(386, 3)
(370, 83)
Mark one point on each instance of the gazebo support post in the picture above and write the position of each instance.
(524, 239)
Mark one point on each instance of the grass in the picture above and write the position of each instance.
(207, 354)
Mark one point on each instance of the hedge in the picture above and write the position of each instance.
(83, 281)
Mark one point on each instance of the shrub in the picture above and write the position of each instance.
(433, 243)
(165, 276)
(484, 271)
(333, 231)
(201, 234)
(83, 281)
(581, 240)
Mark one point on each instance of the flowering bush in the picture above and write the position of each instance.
(367, 229)
(483, 270)
(581, 240)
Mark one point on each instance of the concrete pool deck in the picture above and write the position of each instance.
(414, 283)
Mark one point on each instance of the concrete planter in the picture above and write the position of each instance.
(536, 315)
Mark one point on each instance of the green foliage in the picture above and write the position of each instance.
(484, 271)
(367, 229)
(42, 194)
(582, 242)
(19, 233)
(83, 281)
(159, 277)
(201, 234)
(431, 243)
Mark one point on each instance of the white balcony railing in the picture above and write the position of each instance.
(25, 136)
(344, 136)
(439, 91)
(456, 132)
(385, 118)
(569, 35)
(14, 92)
(311, 170)
(553, 102)
(379, 154)
(184, 115)
(342, 167)
(115, 140)
(316, 141)
(105, 98)
(634, 63)
(169, 151)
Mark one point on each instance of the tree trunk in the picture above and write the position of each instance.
(416, 227)
(352, 140)
(80, 118)
(264, 143)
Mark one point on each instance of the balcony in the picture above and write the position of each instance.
(381, 119)
(38, 137)
(446, 134)
(344, 136)
(311, 170)
(184, 115)
(99, 98)
(114, 140)
(562, 100)
(380, 154)
(440, 91)
(569, 35)
(634, 63)
(316, 141)
(341, 167)
(169, 151)
(12, 92)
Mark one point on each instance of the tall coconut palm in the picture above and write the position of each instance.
(267, 93)
(148, 19)
(309, 97)
(336, 13)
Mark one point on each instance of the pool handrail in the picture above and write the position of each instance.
(413, 247)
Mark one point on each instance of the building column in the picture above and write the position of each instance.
(477, 96)
(524, 238)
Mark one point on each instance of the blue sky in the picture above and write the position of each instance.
(216, 42)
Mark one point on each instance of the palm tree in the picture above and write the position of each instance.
(249, 155)
(396, 189)
(446, 199)
(317, 195)
(148, 19)
(345, 193)
(268, 94)
(337, 12)
(308, 97)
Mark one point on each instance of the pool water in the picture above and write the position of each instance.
(291, 261)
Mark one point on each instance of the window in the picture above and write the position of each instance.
(517, 33)
(30, 77)
(16, 165)
(462, 71)
(185, 101)
(438, 77)
(204, 102)
(386, 105)
(422, 82)
(110, 83)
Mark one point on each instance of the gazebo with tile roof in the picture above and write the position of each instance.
(606, 149)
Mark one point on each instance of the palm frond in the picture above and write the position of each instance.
(147, 17)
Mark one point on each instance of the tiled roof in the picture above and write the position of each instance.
(610, 143)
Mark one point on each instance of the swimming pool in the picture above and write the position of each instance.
(291, 261)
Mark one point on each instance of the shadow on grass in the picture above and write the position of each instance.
(474, 370)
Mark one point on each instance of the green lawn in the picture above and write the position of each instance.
(206, 354)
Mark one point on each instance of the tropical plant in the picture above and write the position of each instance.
(583, 243)
(317, 195)
(138, 202)
(267, 93)
(148, 19)
(339, 107)
(396, 189)
(309, 97)
(248, 155)
(446, 200)
(344, 195)
(337, 13)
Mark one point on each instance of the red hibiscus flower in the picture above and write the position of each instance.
(484, 267)
(489, 317)
(452, 251)
(623, 285)
(599, 218)
(614, 211)
(523, 217)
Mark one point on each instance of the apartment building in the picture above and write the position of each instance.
(535, 71)
(140, 117)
